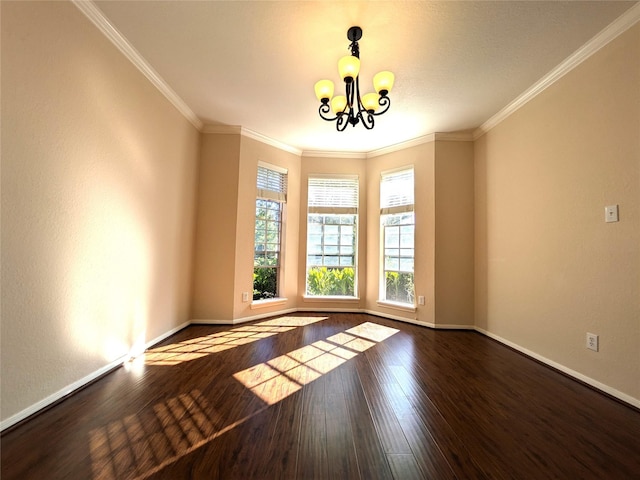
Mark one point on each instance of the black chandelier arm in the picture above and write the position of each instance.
(324, 109)
(385, 103)
(343, 121)
(366, 118)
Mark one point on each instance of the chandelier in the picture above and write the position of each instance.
(351, 108)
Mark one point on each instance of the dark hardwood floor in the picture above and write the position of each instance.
(329, 396)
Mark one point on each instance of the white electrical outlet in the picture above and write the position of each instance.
(592, 341)
(245, 296)
(421, 300)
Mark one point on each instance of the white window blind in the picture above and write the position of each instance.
(333, 195)
(272, 184)
(396, 192)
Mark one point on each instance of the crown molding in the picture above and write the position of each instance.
(329, 154)
(222, 129)
(93, 13)
(431, 137)
(402, 145)
(245, 132)
(612, 31)
(270, 141)
(454, 136)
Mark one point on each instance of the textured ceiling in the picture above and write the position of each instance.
(254, 64)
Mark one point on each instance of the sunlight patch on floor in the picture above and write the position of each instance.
(278, 378)
(143, 443)
(199, 347)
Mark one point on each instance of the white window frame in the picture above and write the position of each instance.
(271, 188)
(336, 196)
(399, 203)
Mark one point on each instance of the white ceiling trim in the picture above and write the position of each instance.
(222, 129)
(327, 154)
(616, 28)
(270, 141)
(402, 146)
(432, 137)
(93, 13)
(238, 130)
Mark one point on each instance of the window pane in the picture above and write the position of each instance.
(331, 239)
(331, 250)
(346, 261)
(407, 218)
(391, 263)
(406, 264)
(347, 230)
(346, 239)
(347, 250)
(314, 229)
(314, 260)
(331, 261)
(331, 230)
(273, 215)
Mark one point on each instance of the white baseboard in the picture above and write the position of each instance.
(210, 321)
(69, 389)
(236, 321)
(330, 310)
(453, 326)
(566, 370)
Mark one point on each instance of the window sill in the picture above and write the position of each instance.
(405, 307)
(268, 303)
(329, 298)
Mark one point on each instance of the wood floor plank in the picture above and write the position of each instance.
(427, 455)
(341, 454)
(382, 413)
(328, 396)
(372, 462)
(404, 467)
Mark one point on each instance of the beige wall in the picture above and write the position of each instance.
(454, 234)
(215, 246)
(223, 254)
(548, 268)
(253, 151)
(422, 158)
(98, 175)
(339, 166)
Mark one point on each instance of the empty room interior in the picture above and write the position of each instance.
(210, 270)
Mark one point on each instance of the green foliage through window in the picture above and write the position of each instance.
(265, 283)
(331, 281)
(399, 287)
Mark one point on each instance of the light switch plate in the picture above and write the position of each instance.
(611, 213)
